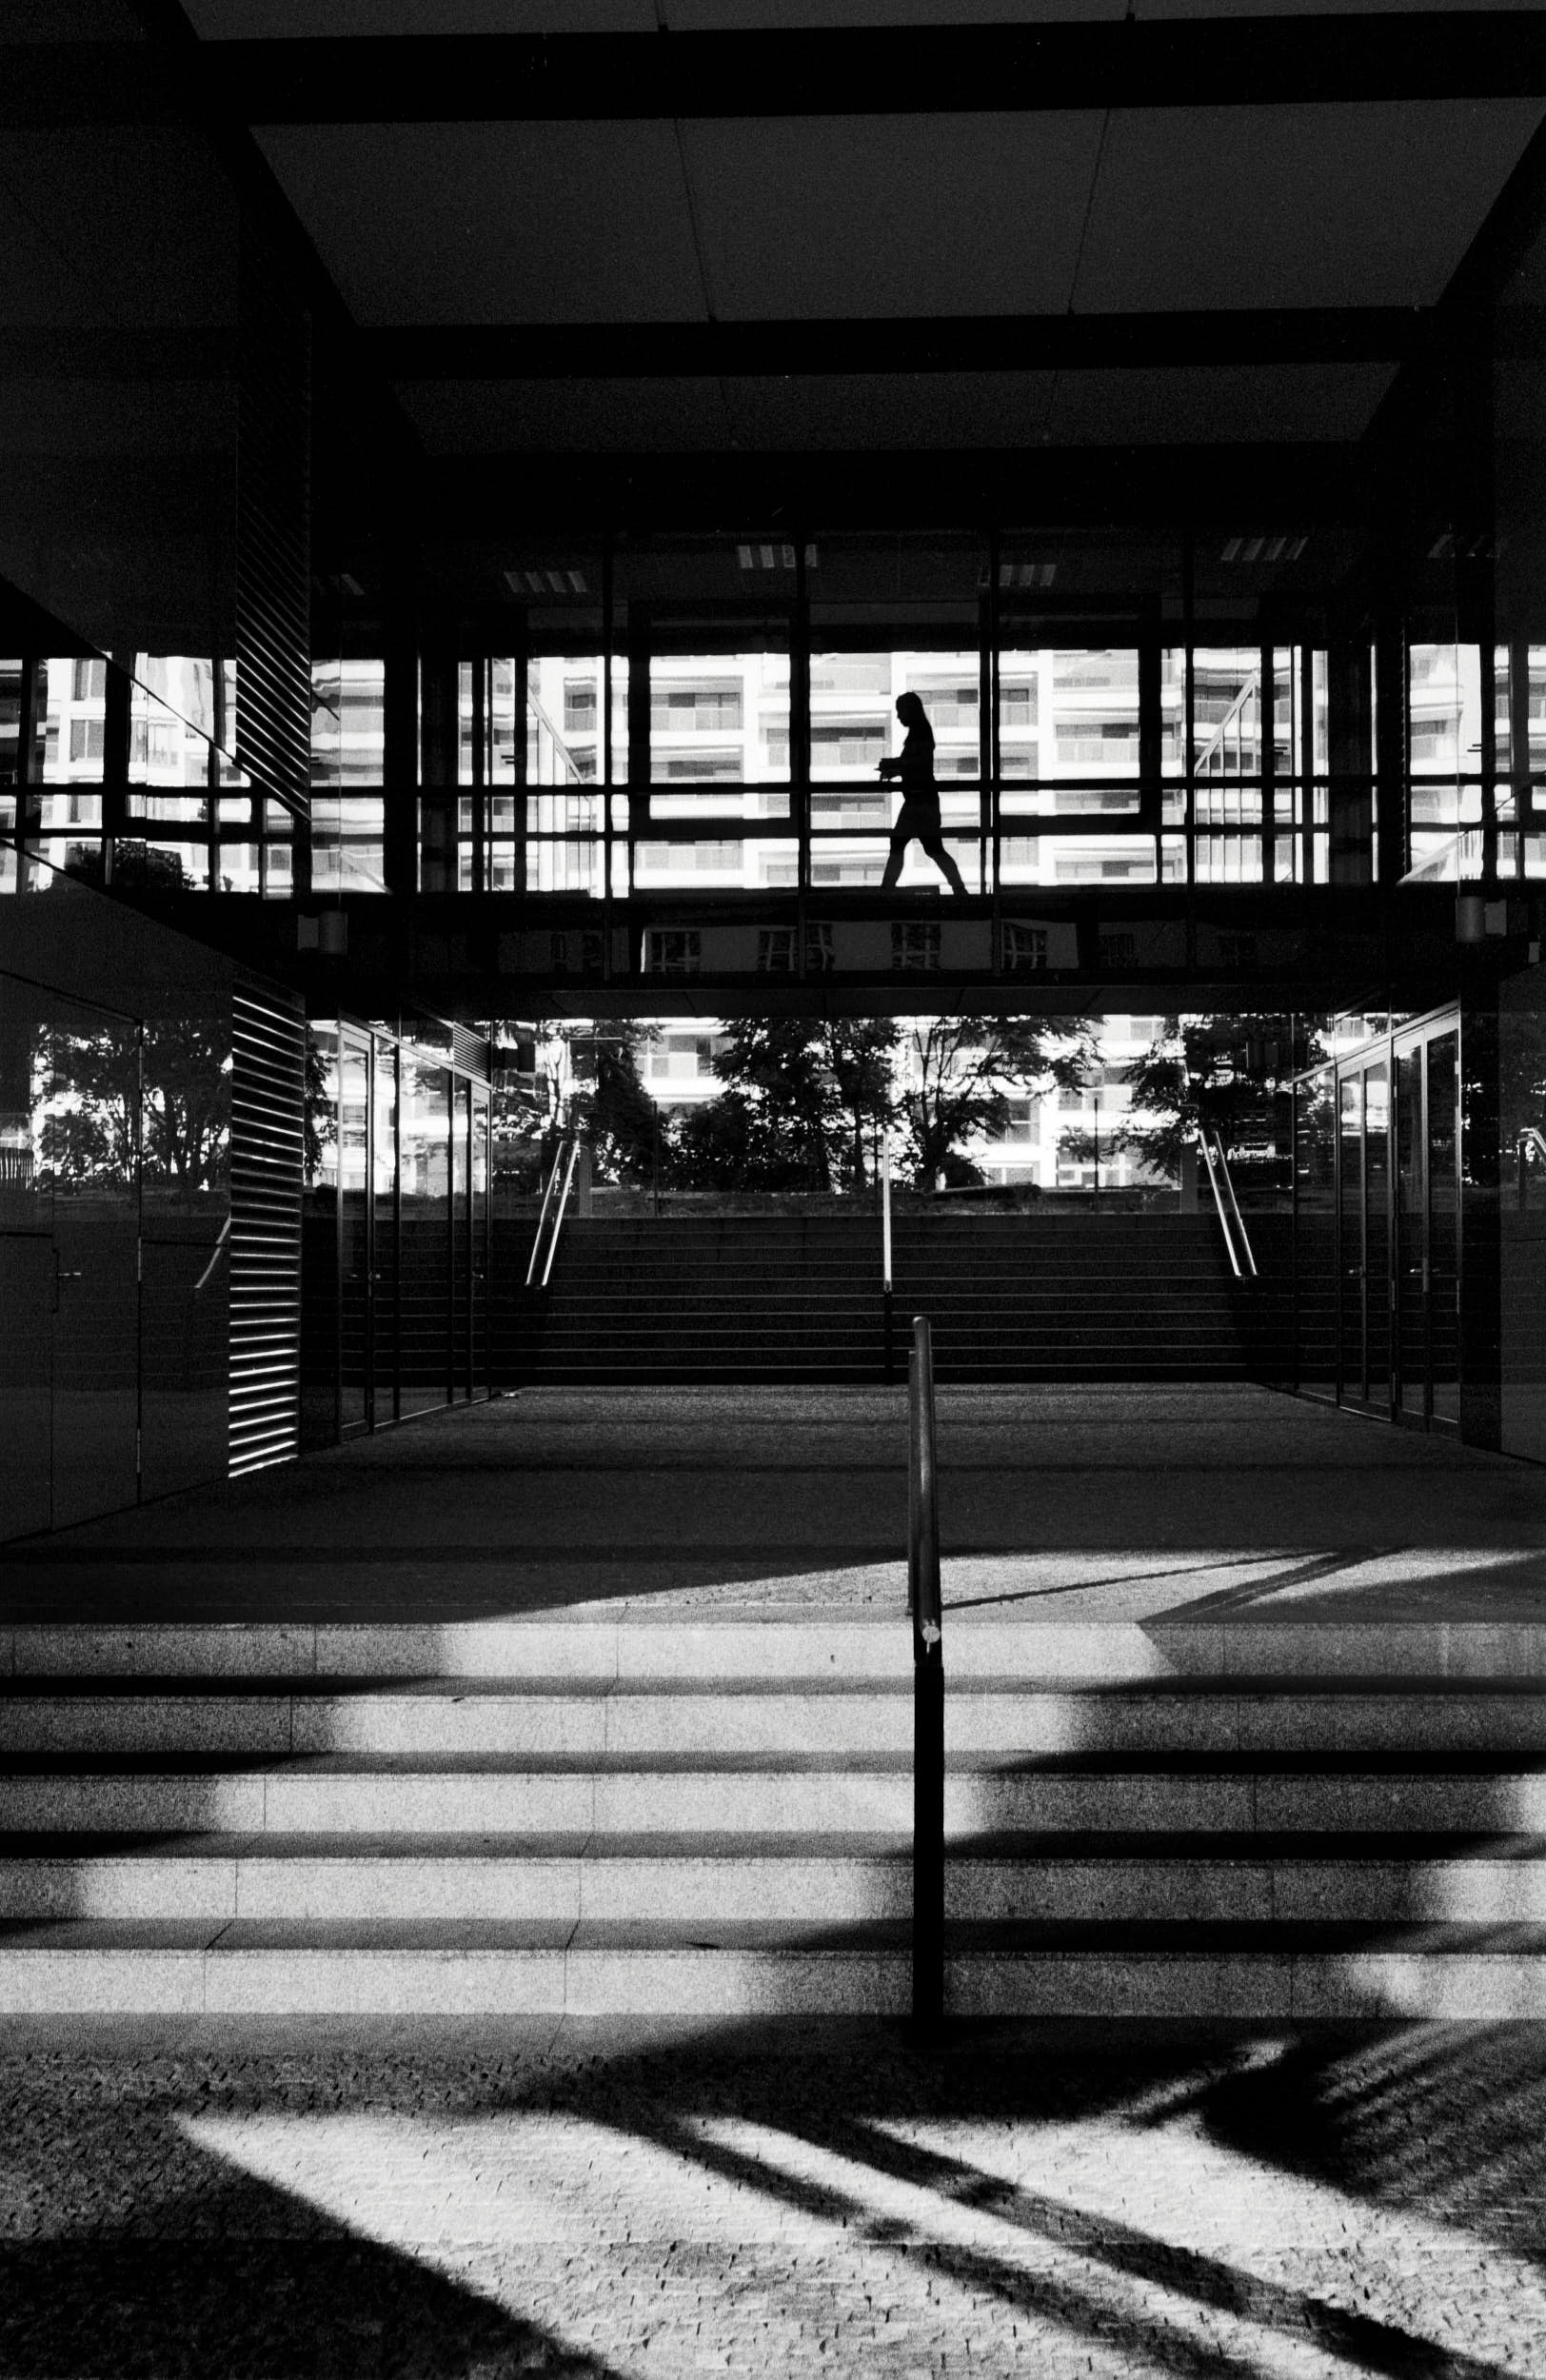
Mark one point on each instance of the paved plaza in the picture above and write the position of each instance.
(477, 2200)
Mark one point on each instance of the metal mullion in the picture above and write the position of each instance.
(604, 771)
(1266, 756)
(987, 725)
(518, 756)
(1519, 737)
(1301, 744)
(1188, 706)
(800, 734)
(480, 666)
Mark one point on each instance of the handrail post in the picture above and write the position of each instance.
(1244, 1237)
(563, 1200)
(924, 1602)
(1217, 1200)
(886, 1262)
(542, 1214)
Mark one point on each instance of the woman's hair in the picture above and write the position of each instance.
(913, 716)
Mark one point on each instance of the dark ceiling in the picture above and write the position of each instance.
(699, 282)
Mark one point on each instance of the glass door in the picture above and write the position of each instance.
(1314, 1232)
(386, 1235)
(69, 1226)
(355, 1298)
(1377, 1234)
(1411, 1240)
(1443, 1173)
(479, 1253)
(1353, 1368)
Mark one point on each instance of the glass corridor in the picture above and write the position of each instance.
(707, 716)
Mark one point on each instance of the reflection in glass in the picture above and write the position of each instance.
(1354, 1283)
(423, 1241)
(1443, 1189)
(1314, 1230)
(1377, 1230)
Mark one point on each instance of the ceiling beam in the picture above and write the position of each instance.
(914, 69)
(994, 342)
(1440, 53)
(1471, 321)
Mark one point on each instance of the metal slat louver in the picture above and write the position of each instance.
(266, 1146)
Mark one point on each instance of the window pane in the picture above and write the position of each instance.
(1444, 686)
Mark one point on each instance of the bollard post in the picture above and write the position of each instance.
(924, 1602)
(888, 1358)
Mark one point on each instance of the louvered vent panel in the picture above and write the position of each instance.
(470, 1050)
(273, 543)
(266, 1136)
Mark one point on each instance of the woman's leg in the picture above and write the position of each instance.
(894, 858)
(933, 847)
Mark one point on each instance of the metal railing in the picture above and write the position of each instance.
(1231, 1223)
(565, 1156)
(1529, 1150)
(923, 1603)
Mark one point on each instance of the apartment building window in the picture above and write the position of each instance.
(579, 706)
(89, 680)
(693, 710)
(86, 738)
(845, 744)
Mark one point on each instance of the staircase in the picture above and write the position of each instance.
(684, 1814)
(792, 1298)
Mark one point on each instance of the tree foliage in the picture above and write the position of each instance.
(963, 1071)
(161, 1098)
(609, 1106)
(803, 1099)
(1225, 1072)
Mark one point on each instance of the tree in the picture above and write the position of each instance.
(1230, 1073)
(609, 1106)
(161, 1097)
(776, 1115)
(964, 1069)
(859, 1054)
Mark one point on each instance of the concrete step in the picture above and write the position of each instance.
(1185, 1655)
(1284, 1881)
(558, 1966)
(471, 1717)
(342, 1795)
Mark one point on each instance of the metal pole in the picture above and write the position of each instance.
(929, 1688)
(563, 1200)
(885, 1259)
(541, 1218)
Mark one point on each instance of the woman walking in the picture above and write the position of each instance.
(920, 813)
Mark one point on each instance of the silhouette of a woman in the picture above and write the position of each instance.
(920, 813)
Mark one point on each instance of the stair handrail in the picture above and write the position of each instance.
(1243, 1236)
(925, 1604)
(203, 1282)
(1236, 1240)
(568, 1148)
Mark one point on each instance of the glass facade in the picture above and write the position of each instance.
(396, 1231)
(1386, 1180)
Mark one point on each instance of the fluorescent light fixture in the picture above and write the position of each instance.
(548, 582)
(770, 556)
(1267, 548)
(1027, 573)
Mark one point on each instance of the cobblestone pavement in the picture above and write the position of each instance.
(466, 2203)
